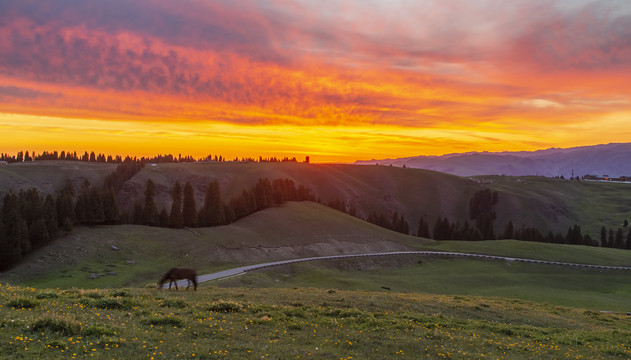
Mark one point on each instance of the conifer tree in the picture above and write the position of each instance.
(509, 231)
(64, 204)
(212, 213)
(176, 220)
(619, 242)
(150, 209)
(50, 216)
(423, 228)
(110, 209)
(603, 236)
(189, 212)
(163, 218)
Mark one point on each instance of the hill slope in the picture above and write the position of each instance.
(143, 253)
(544, 203)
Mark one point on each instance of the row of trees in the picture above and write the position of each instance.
(90, 157)
(214, 210)
(480, 226)
(30, 220)
(22, 156)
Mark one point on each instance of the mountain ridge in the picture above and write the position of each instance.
(609, 159)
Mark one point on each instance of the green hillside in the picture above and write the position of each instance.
(543, 203)
(291, 231)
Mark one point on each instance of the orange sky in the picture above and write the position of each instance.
(334, 80)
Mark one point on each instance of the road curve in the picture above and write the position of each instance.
(243, 269)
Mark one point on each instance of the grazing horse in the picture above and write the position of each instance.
(175, 274)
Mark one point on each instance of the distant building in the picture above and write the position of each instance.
(4, 162)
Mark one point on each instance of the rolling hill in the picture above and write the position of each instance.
(544, 203)
(139, 254)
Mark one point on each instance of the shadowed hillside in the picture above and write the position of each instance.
(543, 203)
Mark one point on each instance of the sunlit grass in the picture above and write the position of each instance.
(242, 323)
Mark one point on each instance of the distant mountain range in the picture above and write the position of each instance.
(610, 159)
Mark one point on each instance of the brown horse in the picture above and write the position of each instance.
(175, 274)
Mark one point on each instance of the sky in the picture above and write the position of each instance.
(336, 80)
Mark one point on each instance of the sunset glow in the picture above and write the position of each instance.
(336, 81)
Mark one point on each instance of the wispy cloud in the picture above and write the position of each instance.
(519, 66)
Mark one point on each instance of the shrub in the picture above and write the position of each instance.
(161, 320)
(47, 295)
(173, 304)
(121, 293)
(97, 331)
(111, 304)
(62, 327)
(22, 303)
(225, 307)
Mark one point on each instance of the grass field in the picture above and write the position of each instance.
(239, 323)
(590, 289)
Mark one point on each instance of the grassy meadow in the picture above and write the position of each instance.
(302, 323)
(92, 293)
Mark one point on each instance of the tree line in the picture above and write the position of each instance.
(480, 226)
(214, 211)
(22, 156)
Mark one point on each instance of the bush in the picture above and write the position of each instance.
(97, 331)
(173, 304)
(161, 320)
(22, 303)
(225, 307)
(47, 295)
(61, 327)
(111, 304)
(121, 293)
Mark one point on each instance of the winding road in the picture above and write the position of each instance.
(242, 270)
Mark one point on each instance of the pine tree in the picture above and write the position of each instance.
(263, 194)
(423, 228)
(163, 218)
(611, 238)
(189, 212)
(5, 251)
(110, 209)
(150, 209)
(212, 213)
(176, 220)
(509, 231)
(619, 242)
(50, 216)
(94, 209)
(603, 236)
(64, 204)
(81, 206)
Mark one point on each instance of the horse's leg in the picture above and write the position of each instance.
(176, 285)
(170, 283)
